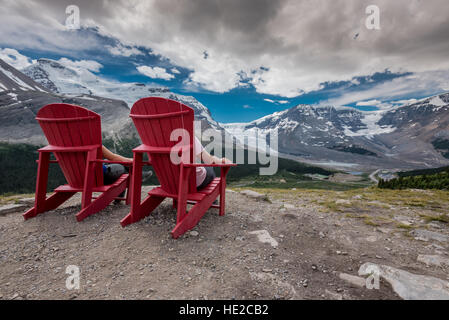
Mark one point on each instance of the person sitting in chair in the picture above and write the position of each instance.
(205, 175)
(113, 171)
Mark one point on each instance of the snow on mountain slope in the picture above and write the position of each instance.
(398, 137)
(12, 80)
(70, 80)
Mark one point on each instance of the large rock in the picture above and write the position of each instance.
(264, 237)
(253, 194)
(426, 235)
(407, 285)
(353, 280)
(10, 208)
(433, 260)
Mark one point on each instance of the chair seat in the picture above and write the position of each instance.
(197, 196)
(68, 188)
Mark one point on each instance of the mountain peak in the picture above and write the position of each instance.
(12, 79)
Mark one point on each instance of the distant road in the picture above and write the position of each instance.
(372, 176)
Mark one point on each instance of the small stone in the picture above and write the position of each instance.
(314, 267)
(267, 270)
(194, 233)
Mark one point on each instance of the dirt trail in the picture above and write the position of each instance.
(308, 244)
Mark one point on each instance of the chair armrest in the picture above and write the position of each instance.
(222, 165)
(51, 148)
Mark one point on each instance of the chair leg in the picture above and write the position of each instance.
(222, 198)
(128, 191)
(194, 215)
(48, 204)
(143, 210)
(102, 201)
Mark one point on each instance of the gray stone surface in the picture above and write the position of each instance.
(354, 280)
(426, 235)
(433, 260)
(10, 208)
(407, 285)
(253, 194)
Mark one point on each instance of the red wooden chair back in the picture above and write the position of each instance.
(66, 125)
(155, 119)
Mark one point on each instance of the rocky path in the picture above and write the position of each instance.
(272, 244)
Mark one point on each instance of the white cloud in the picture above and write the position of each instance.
(277, 101)
(174, 70)
(14, 58)
(121, 50)
(402, 102)
(369, 103)
(81, 64)
(393, 92)
(247, 106)
(155, 72)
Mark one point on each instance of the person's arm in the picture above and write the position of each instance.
(114, 157)
(209, 159)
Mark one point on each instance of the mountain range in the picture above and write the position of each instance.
(414, 135)
(411, 136)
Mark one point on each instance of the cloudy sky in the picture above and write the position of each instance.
(245, 59)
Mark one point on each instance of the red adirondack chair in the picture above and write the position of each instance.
(155, 119)
(74, 137)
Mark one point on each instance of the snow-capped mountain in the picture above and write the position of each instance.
(72, 80)
(21, 98)
(12, 80)
(415, 135)
(399, 137)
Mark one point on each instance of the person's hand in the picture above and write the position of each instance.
(226, 161)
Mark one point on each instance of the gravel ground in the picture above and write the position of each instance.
(304, 251)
